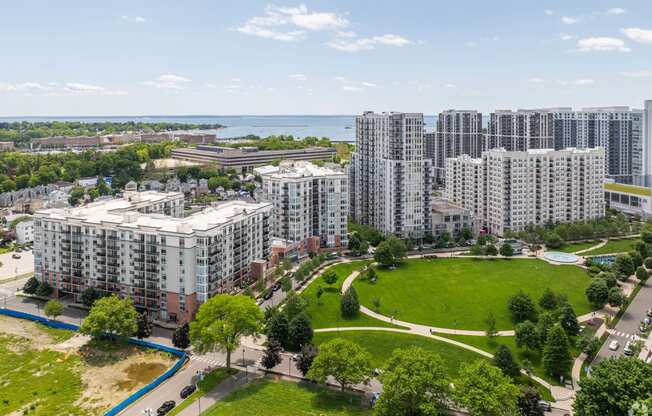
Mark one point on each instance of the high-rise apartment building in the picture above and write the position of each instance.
(309, 202)
(647, 143)
(141, 247)
(458, 132)
(520, 130)
(511, 190)
(390, 177)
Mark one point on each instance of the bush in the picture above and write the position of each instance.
(350, 304)
(31, 286)
(44, 289)
(648, 263)
(491, 250)
(506, 250)
(597, 293)
(642, 274)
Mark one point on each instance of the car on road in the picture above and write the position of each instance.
(276, 286)
(649, 312)
(628, 350)
(15, 256)
(545, 406)
(268, 294)
(187, 391)
(613, 345)
(165, 407)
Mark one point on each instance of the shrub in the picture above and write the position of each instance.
(350, 304)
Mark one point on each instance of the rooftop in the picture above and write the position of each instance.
(628, 189)
(299, 169)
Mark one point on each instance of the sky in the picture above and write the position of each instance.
(216, 57)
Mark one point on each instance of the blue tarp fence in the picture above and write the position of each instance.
(146, 344)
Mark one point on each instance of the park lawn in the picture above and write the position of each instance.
(460, 293)
(274, 398)
(614, 246)
(381, 345)
(208, 383)
(573, 247)
(326, 313)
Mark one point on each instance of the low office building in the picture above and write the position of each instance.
(310, 203)
(141, 247)
(451, 219)
(629, 199)
(245, 159)
(528, 188)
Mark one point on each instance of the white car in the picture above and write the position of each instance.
(613, 345)
(628, 350)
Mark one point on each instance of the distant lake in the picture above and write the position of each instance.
(337, 128)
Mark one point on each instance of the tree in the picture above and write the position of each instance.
(144, 329)
(181, 336)
(546, 321)
(648, 263)
(504, 359)
(271, 355)
(597, 293)
(76, 196)
(319, 293)
(376, 302)
(642, 274)
(527, 336)
(349, 304)
(624, 265)
(614, 386)
(329, 276)
(637, 260)
(483, 389)
(615, 298)
(300, 332)
(557, 358)
(491, 332)
(306, 357)
(390, 252)
(491, 250)
(286, 284)
(90, 295)
(294, 305)
(568, 320)
(548, 300)
(553, 240)
(415, 382)
(31, 286)
(110, 316)
(528, 402)
(221, 321)
(506, 250)
(521, 307)
(44, 289)
(53, 308)
(345, 361)
(476, 250)
(371, 275)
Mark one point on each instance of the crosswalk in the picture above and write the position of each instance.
(208, 360)
(625, 335)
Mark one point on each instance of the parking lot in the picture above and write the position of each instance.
(12, 267)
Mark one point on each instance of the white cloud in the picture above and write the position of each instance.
(369, 84)
(567, 20)
(301, 17)
(356, 45)
(537, 80)
(291, 36)
(584, 82)
(566, 36)
(211, 86)
(638, 34)
(168, 82)
(616, 11)
(638, 74)
(298, 77)
(450, 86)
(340, 79)
(349, 34)
(351, 88)
(134, 19)
(601, 44)
(549, 12)
(78, 88)
(23, 86)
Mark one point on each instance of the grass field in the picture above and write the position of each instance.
(614, 246)
(208, 383)
(275, 398)
(460, 293)
(573, 247)
(326, 313)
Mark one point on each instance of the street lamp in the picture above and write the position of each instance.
(245, 365)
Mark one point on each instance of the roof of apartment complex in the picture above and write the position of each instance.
(445, 207)
(228, 156)
(628, 189)
(122, 212)
(296, 170)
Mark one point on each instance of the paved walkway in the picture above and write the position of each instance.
(225, 388)
(602, 243)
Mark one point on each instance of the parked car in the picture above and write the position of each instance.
(649, 312)
(545, 406)
(268, 294)
(613, 345)
(165, 407)
(15, 256)
(187, 391)
(276, 286)
(628, 350)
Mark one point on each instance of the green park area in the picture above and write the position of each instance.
(460, 293)
(325, 311)
(614, 246)
(272, 398)
(574, 247)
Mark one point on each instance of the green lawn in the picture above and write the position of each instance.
(573, 247)
(381, 345)
(285, 398)
(614, 246)
(34, 382)
(461, 292)
(326, 313)
(209, 382)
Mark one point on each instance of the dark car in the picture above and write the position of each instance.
(187, 391)
(268, 294)
(276, 286)
(166, 407)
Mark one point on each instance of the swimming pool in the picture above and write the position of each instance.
(559, 257)
(609, 259)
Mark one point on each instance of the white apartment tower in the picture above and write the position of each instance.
(647, 142)
(141, 247)
(390, 177)
(535, 187)
(309, 201)
(520, 130)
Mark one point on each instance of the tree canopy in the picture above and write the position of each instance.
(110, 316)
(345, 361)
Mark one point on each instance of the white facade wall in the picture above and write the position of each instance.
(25, 232)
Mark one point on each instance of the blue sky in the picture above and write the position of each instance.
(320, 57)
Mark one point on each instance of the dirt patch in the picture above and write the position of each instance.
(27, 330)
(108, 385)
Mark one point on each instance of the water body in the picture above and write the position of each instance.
(337, 128)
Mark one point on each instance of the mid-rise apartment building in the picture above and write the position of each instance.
(535, 187)
(647, 144)
(141, 247)
(390, 178)
(309, 201)
(458, 132)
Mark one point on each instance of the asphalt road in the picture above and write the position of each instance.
(627, 327)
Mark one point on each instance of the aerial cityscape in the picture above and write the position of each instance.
(326, 209)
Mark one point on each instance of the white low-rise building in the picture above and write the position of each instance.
(25, 232)
(629, 199)
(451, 219)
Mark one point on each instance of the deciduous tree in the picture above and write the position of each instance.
(110, 316)
(53, 308)
(557, 358)
(483, 389)
(345, 361)
(521, 307)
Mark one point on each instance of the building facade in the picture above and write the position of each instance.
(141, 247)
(458, 132)
(519, 131)
(529, 188)
(451, 219)
(390, 178)
(309, 201)
(629, 199)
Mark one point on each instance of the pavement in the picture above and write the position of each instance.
(12, 267)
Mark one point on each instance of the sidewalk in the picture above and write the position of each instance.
(225, 388)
